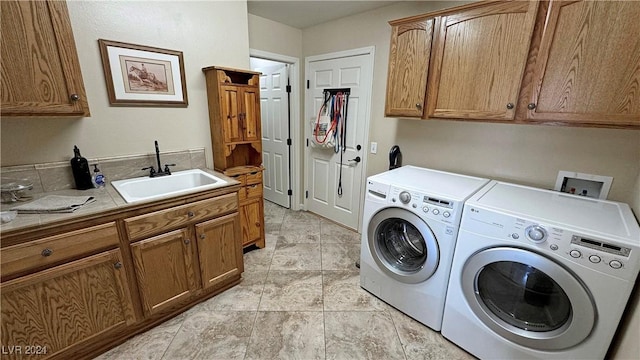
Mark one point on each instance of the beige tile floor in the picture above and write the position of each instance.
(300, 298)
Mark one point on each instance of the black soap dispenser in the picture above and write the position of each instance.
(80, 169)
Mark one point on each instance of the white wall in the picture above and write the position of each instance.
(207, 32)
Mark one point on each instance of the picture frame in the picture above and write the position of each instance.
(139, 75)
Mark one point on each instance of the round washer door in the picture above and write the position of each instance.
(528, 298)
(403, 245)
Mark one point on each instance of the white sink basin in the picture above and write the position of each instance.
(181, 182)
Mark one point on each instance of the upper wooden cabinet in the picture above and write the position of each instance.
(553, 62)
(40, 68)
(588, 67)
(479, 56)
(408, 64)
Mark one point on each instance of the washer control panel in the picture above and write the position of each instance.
(602, 255)
(424, 205)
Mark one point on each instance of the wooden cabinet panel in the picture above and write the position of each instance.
(408, 68)
(252, 221)
(588, 68)
(230, 114)
(164, 220)
(164, 269)
(57, 249)
(479, 59)
(251, 114)
(219, 252)
(40, 68)
(66, 305)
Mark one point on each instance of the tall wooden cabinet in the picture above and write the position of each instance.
(236, 136)
(52, 85)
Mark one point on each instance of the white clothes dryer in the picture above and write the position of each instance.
(539, 274)
(410, 224)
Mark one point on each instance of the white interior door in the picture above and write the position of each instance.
(326, 169)
(274, 107)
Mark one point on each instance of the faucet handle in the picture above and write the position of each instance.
(166, 168)
(152, 171)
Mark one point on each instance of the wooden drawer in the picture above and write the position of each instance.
(241, 177)
(254, 178)
(164, 220)
(58, 248)
(254, 190)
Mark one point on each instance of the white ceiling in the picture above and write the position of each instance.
(305, 13)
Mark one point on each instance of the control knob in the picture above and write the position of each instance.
(536, 233)
(405, 197)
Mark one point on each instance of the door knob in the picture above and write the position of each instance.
(357, 159)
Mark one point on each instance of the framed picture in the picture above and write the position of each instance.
(140, 75)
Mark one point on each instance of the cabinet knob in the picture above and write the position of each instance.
(74, 97)
(47, 252)
(117, 265)
(203, 236)
(258, 224)
(418, 106)
(510, 106)
(187, 241)
(531, 106)
(191, 214)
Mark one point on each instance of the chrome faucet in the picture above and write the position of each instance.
(159, 172)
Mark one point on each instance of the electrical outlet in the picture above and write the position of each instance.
(374, 147)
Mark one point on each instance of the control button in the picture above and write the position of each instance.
(436, 211)
(446, 214)
(414, 205)
(615, 264)
(393, 200)
(575, 253)
(425, 209)
(594, 259)
(405, 197)
(553, 247)
(536, 233)
(515, 236)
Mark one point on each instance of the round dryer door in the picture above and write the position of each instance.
(528, 298)
(403, 245)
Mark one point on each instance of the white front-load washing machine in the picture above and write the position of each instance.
(539, 274)
(410, 223)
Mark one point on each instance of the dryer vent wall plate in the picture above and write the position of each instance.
(593, 186)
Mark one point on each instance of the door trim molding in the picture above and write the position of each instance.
(369, 51)
(296, 85)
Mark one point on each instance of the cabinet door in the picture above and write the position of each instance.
(251, 114)
(232, 128)
(40, 67)
(219, 252)
(164, 269)
(588, 68)
(408, 67)
(252, 220)
(65, 305)
(479, 59)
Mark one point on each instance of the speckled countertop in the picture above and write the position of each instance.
(107, 199)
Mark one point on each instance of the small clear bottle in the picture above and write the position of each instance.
(98, 179)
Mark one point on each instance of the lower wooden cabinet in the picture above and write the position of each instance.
(219, 253)
(252, 213)
(165, 270)
(49, 311)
